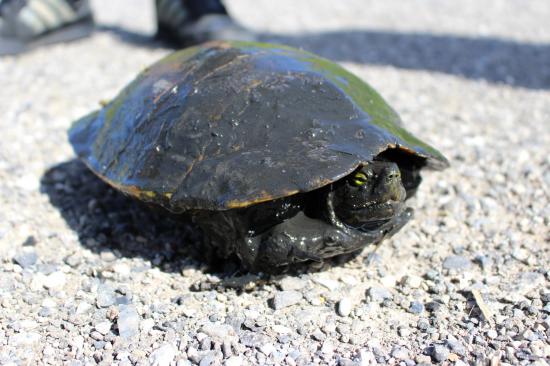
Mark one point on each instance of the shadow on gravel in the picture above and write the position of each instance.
(494, 60)
(134, 38)
(106, 220)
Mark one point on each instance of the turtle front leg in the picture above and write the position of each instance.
(301, 238)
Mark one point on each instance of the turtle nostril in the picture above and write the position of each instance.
(392, 176)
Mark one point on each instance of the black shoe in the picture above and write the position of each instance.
(184, 27)
(26, 24)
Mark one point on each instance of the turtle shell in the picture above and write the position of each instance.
(230, 124)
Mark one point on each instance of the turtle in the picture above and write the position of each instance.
(278, 155)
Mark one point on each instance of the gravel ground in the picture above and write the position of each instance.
(89, 276)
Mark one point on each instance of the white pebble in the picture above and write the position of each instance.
(281, 329)
(234, 361)
(146, 325)
(128, 321)
(163, 355)
(55, 280)
(344, 307)
(103, 327)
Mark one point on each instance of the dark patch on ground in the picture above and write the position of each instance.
(107, 220)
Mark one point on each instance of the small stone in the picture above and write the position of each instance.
(453, 357)
(318, 335)
(416, 307)
(434, 306)
(520, 254)
(24, 339)
(27, 324)
(26, 257)
(103, 327)
(55, 280)
(412, 281)
(28, 182)
(327, 282)
(146, 325)
(423, 324)
(529, 335)
(234, 361)
(107, 256)
(349, 280)
(235, 321)
(281, 329)
(163, 355)
(294, 353)
(492, 334)
(83, 307)
(218, 332)
(423, 360)
(121, 269)
(484, 261)
(128, 321)
(366, 357)
(440, 353)
(401, 353)
(456, 347)
(388, 281)
(291, 283)
(456, 263)
(205, 344)
(49, 303)
(344, 307)
(45, 312)
(252, 339)
(105, 296)
(77, 342)
(267, 348)
(379, 294)
(227, 349)
(432, 274)
(283, 299)
(327, 347)
(208, 359)
(96, 335)
(30, 241)
(193, 355)
(404, 332)
(72, 260)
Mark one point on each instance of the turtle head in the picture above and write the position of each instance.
(371, 196)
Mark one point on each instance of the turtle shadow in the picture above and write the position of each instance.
(491, 59)
(107, 220)
(143, 40)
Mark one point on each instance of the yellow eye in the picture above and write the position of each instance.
(359, 179)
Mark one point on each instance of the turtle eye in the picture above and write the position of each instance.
(359, 179)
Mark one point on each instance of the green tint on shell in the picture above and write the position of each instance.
(368, 99)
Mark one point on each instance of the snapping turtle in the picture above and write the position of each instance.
(279, 156)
